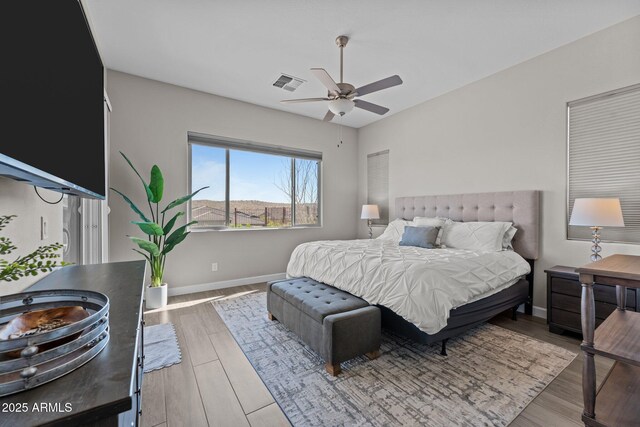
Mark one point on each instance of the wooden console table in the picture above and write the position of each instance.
(618, 338)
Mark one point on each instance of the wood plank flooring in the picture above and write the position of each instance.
(215, 385)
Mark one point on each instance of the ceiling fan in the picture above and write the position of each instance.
(341, 95)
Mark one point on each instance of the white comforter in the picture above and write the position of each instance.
(421, 285)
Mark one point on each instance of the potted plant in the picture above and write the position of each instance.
(161, 237)
(42, 260)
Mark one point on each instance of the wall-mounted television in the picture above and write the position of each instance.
(52, 89)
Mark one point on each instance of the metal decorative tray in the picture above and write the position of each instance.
(39, 359)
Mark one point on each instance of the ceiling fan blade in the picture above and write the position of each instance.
(374, 108)
(328, 117)
(324, 77)
(294, 101)
(379, 85)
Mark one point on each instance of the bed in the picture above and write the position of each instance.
(431, 295)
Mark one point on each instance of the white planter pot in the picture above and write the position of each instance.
(156, 296)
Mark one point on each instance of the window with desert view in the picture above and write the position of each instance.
(252, 189)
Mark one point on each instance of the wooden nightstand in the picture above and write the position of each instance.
(563, 300)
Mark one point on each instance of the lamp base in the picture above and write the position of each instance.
(595, 248)
(370, 229)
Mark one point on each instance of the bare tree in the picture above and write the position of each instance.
(306, 188)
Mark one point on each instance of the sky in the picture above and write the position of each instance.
(253, 175)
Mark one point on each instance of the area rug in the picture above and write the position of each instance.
(489, 377)
(161, 347)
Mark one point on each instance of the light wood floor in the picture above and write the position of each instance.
(216, 385)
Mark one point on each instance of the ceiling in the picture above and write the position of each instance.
(237, 49)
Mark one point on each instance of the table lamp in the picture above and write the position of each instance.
(596, 213)
(370, 212)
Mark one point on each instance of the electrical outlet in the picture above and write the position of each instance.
(214, 266)
(44, 228)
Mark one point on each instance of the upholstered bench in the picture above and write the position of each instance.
(334, 323)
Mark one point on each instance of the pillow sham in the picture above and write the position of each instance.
(508, 237)
(422, 237)
(394, 230)
(422, 221)
(475, 236)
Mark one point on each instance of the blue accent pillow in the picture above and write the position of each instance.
(422, 237)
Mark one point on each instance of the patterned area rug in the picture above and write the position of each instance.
(489, 377)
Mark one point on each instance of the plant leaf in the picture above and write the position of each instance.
(156, 185)
(146, 187)
(150, 228)
(182, 200)
(178, 234)
(167, 228)
(148, 246)
(133, 206)
(143, 254)
(169, 247)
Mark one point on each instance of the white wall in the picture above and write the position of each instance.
(18, 198)
(507, 132)
(149, 123)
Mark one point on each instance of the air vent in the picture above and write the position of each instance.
(288, 82)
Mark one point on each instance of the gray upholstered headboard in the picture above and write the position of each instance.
(520, 207)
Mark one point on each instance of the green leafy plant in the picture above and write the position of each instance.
(160, 238)
(41, 260)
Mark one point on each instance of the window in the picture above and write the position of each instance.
(604, 158)
(252, 185)
(378, 184)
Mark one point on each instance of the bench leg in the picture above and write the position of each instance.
(270, 316)
(373, 355)
(333, 368)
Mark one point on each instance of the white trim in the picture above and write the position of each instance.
(203, 287)
(537, 311)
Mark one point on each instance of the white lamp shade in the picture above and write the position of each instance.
(370, 212)
(341, 106)
(597, 213)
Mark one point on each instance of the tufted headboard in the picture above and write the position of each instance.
(520, 207)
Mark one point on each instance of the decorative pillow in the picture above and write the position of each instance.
(422, 237)
(475, 236)
(508, 237)
(394, 230)
(422, 221)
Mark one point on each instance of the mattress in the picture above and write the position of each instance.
(421, 285)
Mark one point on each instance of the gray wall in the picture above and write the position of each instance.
(508, 132)
(17, 198)
(149, 123)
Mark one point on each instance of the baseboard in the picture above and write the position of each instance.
(203, 287)
(537, 311)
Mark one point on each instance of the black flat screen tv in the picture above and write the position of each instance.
(52, 90)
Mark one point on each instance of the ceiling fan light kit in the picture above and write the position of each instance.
(341, 95)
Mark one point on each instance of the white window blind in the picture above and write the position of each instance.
(378, 184)
(604, 158)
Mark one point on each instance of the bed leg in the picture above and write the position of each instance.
(270, 316)
(514, 314)
(444, 347)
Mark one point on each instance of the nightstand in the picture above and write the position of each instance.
(563, 300)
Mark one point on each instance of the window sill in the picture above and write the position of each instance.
(240, 229)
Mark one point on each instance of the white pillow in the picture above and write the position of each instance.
(422, 221)
(475, 236)
(508, 237)
(394, 230)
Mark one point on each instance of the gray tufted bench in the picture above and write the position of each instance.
(334, 323)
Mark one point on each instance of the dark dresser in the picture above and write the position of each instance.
(106, 390)
(563, 300)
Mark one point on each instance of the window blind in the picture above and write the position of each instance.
(604, 158)
(236, 144)
(378, 184)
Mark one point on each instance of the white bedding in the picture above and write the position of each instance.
(421, 285)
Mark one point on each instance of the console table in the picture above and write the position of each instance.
(616, 402)
(106, 390)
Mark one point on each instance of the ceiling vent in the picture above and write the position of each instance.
(288, 82)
